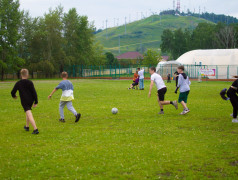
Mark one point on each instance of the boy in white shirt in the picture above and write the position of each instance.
(141, 78)
(162, 89)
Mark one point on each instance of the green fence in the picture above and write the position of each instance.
(116, 71)
(220, 72)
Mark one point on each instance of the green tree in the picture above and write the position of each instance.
(79, 37)
(167, 39)
(10, 16)
(110, 58)
(98, 57)
(151, 57)
(203, 37)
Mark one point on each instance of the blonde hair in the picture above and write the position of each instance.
(64, 74)
(24, 72)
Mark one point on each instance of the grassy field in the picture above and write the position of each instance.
(146, 32)
(137, 143)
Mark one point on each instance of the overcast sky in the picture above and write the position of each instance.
(115, 11)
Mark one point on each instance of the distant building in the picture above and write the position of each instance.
(130, 58)
(165, 58)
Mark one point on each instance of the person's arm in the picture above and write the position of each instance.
(51, 94)
(151, 86)
(179, 84)
(14, 91)
(34, 94)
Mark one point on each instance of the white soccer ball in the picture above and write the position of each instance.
(114, 110)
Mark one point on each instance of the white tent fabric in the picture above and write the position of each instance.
(210, 57)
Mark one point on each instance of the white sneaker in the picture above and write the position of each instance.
(185, 112)
(234, 121)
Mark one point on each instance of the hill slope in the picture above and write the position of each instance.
(145, 33)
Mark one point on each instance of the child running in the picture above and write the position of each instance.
(162, 89)
(183, 85)
(66, 98)
(28, 97)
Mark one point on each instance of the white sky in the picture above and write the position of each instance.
(99, 11)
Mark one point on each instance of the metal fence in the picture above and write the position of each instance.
(193, 71)
(81, 71)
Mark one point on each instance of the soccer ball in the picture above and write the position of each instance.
(114, 110)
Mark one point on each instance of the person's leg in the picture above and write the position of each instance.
(143, 84)
(160, 105)
(234, 104)
(71, 108)
(61, 109)
(184, 105)
(140, 83)
(31, 119)
(27, 121)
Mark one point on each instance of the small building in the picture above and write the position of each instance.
(130, 58)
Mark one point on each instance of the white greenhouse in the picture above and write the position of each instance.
(223, 62)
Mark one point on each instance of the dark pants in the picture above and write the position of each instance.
(234, 101)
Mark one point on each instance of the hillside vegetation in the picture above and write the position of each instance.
(144, 34)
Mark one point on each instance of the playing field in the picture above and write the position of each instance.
(137, 143)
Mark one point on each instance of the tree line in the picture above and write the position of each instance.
(216, 18)
(45, 43)
(204, 36)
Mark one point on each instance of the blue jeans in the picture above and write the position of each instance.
(141, 81)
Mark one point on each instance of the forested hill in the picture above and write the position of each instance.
(143, 34)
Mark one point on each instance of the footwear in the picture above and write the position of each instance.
(129, 88)
(26, 128)
(175, 104)
(78, 117)
(231, 115)
(185, 112)
(35, 131)
(161, 112)
(62, 120)
(234, 121)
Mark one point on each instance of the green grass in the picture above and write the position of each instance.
(145, 32)
(134, 144)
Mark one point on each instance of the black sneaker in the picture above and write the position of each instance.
(78, 117)
(62, 120)
(26, 128)
(35, 131)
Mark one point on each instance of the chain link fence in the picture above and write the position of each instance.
(117, 71)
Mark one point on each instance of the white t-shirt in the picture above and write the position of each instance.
(141, 74)
(158, 81)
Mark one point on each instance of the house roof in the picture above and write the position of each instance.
(165, 58)
(130, 55)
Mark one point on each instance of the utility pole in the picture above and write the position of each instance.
(106, 29)
(114, 22)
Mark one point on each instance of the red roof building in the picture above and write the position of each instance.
(130, 58)
(130, 55)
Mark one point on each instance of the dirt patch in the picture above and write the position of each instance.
(234, 163)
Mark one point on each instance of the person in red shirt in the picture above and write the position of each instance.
(135, 76)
